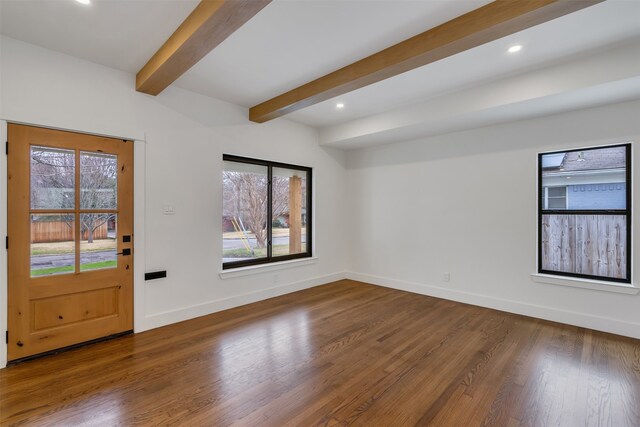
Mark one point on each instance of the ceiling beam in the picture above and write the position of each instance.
(485, 24)
(210, 23)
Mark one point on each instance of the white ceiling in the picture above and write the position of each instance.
(121, 34)
(578, 34)
(293, 41)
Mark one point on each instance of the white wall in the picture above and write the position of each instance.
(465, 203)
(180, 138)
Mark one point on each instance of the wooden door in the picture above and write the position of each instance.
(70, 224)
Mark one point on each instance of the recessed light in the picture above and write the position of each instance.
(515, 48)
(339, 105)
(84, 1)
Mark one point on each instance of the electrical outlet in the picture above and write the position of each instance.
(447, 277)
(168, 210)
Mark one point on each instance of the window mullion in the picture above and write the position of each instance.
(77, 201)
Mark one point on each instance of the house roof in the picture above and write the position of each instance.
(599, 159)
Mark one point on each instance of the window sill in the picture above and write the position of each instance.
(263, 268)
(595, 285)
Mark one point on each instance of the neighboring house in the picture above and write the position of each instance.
(581, 180)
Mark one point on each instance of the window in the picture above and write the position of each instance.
(555, 197)
(584, 215)
(266, 212)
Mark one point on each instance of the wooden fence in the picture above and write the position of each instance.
(60, 231)
(585, 244)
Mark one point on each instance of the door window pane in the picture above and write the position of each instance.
(99, 244)
(289, 211)
(52, 245)
(98, 181)
(245, 193)
(52, 178)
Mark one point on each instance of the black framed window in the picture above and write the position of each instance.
(266, 211)
(584, 213)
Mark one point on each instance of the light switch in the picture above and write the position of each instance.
(168, 210)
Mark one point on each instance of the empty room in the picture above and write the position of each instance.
(320, 212)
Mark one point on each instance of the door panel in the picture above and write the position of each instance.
(64, 309)
(70, 202)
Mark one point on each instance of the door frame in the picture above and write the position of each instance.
(139, 215)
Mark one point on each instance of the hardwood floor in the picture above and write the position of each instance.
(341, 354)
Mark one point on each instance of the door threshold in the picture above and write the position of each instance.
(68, 348)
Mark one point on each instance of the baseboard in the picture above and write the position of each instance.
(597, 323)
(186, 313)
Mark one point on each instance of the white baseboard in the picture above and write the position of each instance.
(186, 313)
(598, 323)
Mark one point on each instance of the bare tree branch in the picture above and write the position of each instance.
(53, 184)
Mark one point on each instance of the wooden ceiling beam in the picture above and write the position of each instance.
(485, 24)
(210, 23)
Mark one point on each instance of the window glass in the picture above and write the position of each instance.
(591, 179)
(593, 245)
(53, 176)
(244, 219)
(98, 181)
(98, 244)
(289, 211)
(266, 211)
(53, 248)
(591, 236)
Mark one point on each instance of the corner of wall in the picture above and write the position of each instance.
(598, 323)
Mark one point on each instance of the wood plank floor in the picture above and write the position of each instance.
(341, 354)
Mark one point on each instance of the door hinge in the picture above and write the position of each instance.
(6, 148)
(6, 337)
(6, 241)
